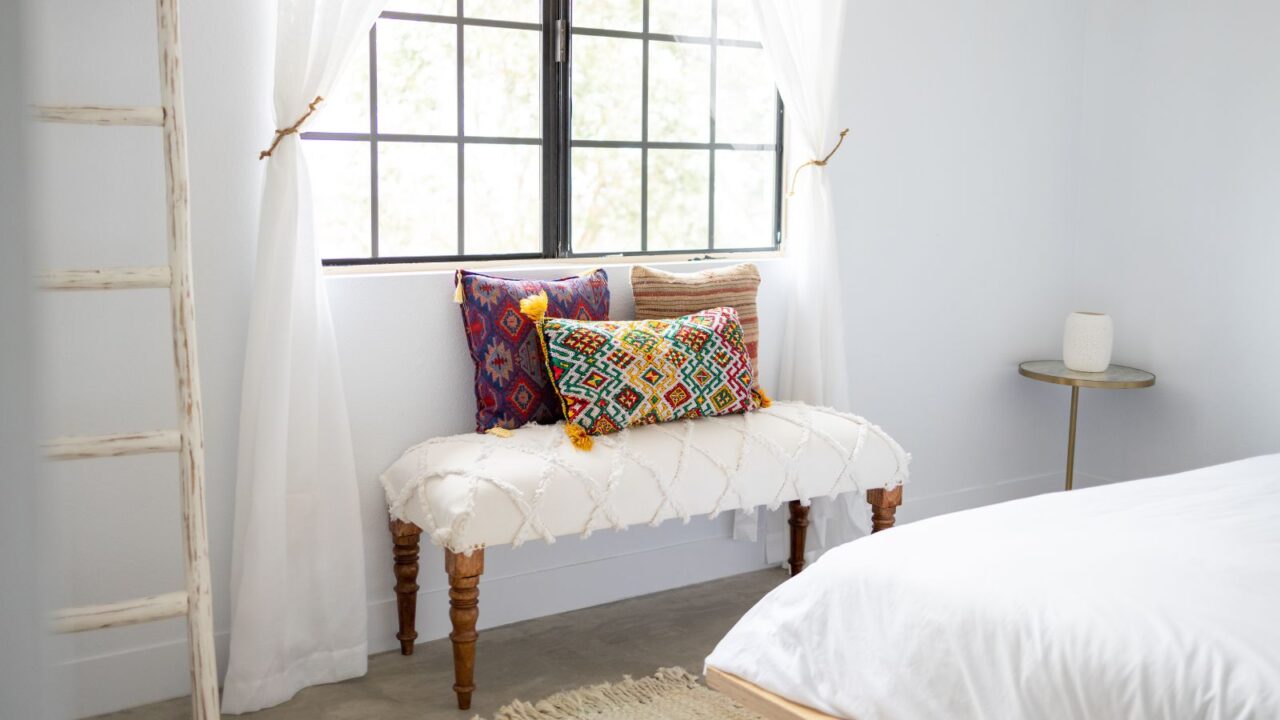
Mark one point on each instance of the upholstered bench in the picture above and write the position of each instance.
(469, 492)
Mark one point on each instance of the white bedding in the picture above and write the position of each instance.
(1156, 598)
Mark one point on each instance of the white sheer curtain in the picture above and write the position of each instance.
(803, 39)
(297, 573)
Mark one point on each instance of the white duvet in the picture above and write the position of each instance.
(1156, 598)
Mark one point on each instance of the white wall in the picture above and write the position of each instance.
(24, 692)
(955, 240)
(1177, 221)
(962, 204)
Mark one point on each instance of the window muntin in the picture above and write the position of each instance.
(466, 132)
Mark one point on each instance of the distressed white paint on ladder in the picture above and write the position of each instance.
(98, 446)
(128, 612)
(101, 115)
(122, 278)
(204, 666)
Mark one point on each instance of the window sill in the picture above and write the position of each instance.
(512, 265)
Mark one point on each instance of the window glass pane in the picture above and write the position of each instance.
(679, 92)
(424, 7)
(340, 195)
(514, 10)
(606, 200)
(736, 20)
(501, 94)
(417, 94)
(609, 15)
(607, 88)
(417, 77)
(346, 107)
(680, 17)
(503, 199)
(745, 198)
(417, 199)
(746, 100)
(679, 190)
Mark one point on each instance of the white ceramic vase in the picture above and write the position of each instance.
(1086, 342)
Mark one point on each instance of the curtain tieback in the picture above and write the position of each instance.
(281, 134)
(815, 162)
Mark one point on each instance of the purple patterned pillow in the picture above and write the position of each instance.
(512, 386)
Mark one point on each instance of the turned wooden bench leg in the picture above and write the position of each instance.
(799, 523)
(405, 537)
(884, 503)
(464, 601)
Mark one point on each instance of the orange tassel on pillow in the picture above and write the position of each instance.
(578, 436)
(535, 306)
(762, 400)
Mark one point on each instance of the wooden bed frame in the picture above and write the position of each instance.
(758, 700)
(464, 599)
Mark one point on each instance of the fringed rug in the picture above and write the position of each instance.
(671, 694)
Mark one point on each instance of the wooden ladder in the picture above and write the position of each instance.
(188, 439)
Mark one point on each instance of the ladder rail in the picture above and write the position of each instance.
(204, 667)
(119, 278)
(119, 614)
(79, 447)
(145, 115)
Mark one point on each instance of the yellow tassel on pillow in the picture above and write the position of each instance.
(763, 400)
(535, 306)
(578, 436)
(498, 431)
(457, 287)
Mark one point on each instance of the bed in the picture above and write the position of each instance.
(1156, 598)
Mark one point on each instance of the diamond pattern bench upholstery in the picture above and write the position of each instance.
(469, 491)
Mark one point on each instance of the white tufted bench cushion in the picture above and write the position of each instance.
(470, 491)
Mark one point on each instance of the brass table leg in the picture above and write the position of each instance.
(1071, 435)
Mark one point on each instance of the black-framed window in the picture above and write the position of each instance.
(479, 129)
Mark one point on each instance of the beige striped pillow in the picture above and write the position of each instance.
(660, 295)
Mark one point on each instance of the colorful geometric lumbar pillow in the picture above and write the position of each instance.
(612, 375)
(660, 294)
(512, 387)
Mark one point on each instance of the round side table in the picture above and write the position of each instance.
(1115, 377)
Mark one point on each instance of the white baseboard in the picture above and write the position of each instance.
(1085, 480)
(917, 508)
(114, 681)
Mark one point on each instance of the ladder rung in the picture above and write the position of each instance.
(95, 446)
(107, 278)
(101, 114)
(128, 612)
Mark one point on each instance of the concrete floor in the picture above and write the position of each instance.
(527, 660)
